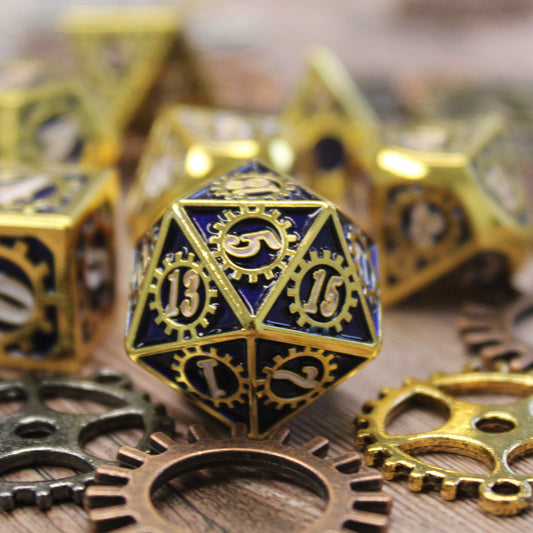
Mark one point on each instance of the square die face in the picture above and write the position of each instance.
(30, 313)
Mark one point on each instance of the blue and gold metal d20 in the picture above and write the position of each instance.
(434, 195)
(187, 144)
(254, 297)
(49, 117)
(136, 59)
(56, 264)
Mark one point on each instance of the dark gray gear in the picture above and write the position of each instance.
(38, 435)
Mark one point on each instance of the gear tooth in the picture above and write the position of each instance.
(112, 474)
(375, 454)
(168, 328)
(301, 321)
(236, 275)
(390, 469)
(252, 278)
(152, 305)
(280, 435)
(130, 456)
(318, 446)
(416, 481)
(408, 382)
(196, 433)
(20, 248)
(268, 274)
(293, 307)
(7, 501)
(368, 407)
(385, 391)
(349, 463)
(43, 499)
(278, 359)
(448, 489)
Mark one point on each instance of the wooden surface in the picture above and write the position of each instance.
(420, 336)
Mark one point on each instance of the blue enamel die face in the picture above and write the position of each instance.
(254, 297)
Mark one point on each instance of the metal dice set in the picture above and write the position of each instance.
(252, 292)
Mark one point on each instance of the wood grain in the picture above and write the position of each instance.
(420, 336)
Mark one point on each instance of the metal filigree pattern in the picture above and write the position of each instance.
(354, 500)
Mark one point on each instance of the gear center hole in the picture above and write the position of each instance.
(35, 429)
(495, 424)
(505, 488)
(276, 501)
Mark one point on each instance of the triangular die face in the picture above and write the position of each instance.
(123, 65)
(364, 255)
(321, 296)
(181, 301)
(252, 245)
(214, 376)
(291, 377)
(253, 181)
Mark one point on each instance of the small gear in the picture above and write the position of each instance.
(121, 497)
(314, 389)
(421, 225)
(217, 396)
(31, 191)
(37, 435)
(29, 292)
(325, 262)
(359, 247)
(496, 434)
(490, 334)
(254, 186)
(196, 314)
(274, 235)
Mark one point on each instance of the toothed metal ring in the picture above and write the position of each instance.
(37, 435)
(121, 496)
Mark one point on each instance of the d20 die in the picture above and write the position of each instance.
(136, 58)
(436, 195)
(254, 297)
(189, 143)
(51, 117)
(56, 264)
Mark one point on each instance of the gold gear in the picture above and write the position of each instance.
(253, 186)
(271, 217)
(354, 499)
(37, 321)
(347, 275)
(490, 334)
(30, 182)
(406, 254)
(264, 390)
(239, 396)
(359, 247)
(160, 275)
(496, 434)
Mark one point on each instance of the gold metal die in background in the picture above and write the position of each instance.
(56, 263)
(136, 58)
(433, 195)
(354, 500)
(47, 116)
(187, 144)
(496, 434)
(254, 297)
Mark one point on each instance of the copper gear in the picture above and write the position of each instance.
(495, 434)
(327, 361)
(489, 334)
(121, 496)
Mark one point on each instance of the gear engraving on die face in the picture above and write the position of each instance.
(496, 434)
(253, 187)
(330, 292)
(188, 295)
(354, 500)
(23, 298)
(421, 225)
(62, 435)
(359, 248)
(310, 378)
(207, 366)
(253, 242)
